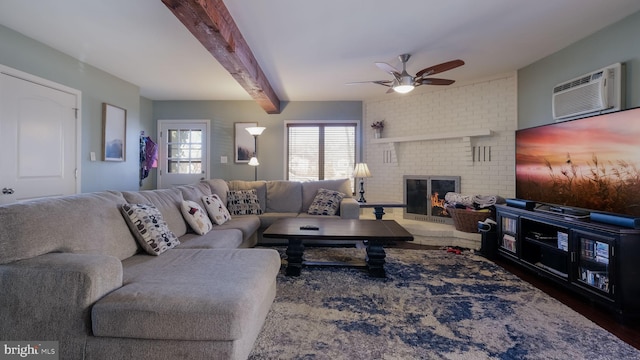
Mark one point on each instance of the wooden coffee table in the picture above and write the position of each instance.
(376, 233)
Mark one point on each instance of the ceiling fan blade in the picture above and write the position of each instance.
(379, 82)
(389, 69)
(435, 81)
(435, 69)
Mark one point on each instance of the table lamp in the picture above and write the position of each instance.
(361, 171)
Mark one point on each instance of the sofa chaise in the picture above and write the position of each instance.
(72, 270)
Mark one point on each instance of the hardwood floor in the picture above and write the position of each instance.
(629, 331)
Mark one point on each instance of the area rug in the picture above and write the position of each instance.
(432, 305)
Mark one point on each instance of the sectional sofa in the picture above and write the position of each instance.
(74, 270)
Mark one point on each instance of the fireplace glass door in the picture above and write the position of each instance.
(424, 196)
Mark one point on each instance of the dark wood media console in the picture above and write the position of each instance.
(599, 261)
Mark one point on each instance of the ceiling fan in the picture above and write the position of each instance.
(403, 82)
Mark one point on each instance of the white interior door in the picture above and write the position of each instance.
(38, 139)
(183, 152)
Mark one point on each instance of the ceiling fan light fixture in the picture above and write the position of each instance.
(403, 89)
(405, 85)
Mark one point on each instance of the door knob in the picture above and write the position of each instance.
(7, 191)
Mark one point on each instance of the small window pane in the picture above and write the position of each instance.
(303, 149)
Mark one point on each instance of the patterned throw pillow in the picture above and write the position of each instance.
(326, 202)
(243, 202)
(196, 217)
(149, 228)
(216, 209)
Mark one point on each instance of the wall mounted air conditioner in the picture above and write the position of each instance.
(596, 92)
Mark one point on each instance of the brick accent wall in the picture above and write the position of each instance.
(489, 104)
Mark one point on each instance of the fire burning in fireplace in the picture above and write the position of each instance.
(437, 202)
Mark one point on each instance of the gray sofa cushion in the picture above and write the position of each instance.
(181, 295)
(215, 239)
(83, 223)
(218, 186)
(310, 189)
(267, 219)
(168, 201)
(248, 224)
(195, 192)
(284, 196)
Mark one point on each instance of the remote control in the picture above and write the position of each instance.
(309, 227)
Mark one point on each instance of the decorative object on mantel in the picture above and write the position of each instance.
(377, 127)
(361, 171)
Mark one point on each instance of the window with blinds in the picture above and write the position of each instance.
(320, 151)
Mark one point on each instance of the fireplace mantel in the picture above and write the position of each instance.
(464, 135)
(439, 136)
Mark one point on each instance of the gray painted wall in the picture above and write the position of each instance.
(271, 151)
(616, 43)
(27, 55)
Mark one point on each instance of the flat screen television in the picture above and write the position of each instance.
(590, 164)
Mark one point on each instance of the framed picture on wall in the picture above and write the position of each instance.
(114, 128)
(244, 144)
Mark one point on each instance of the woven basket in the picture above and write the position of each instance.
(467, 220)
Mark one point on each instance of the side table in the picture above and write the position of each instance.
(378, 207)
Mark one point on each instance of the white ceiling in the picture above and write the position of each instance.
(310, 49)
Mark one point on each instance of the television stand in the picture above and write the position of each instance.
(598, 261)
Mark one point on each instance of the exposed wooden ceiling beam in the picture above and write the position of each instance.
(210, 22)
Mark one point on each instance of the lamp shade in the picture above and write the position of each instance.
(254, 161)
(361, 171)
(255, 130)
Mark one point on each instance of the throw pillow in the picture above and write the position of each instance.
(216, 209)
(243, 202)
(196, 217)
(326, 202)
(149, 228)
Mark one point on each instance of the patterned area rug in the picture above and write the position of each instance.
(432, 305)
